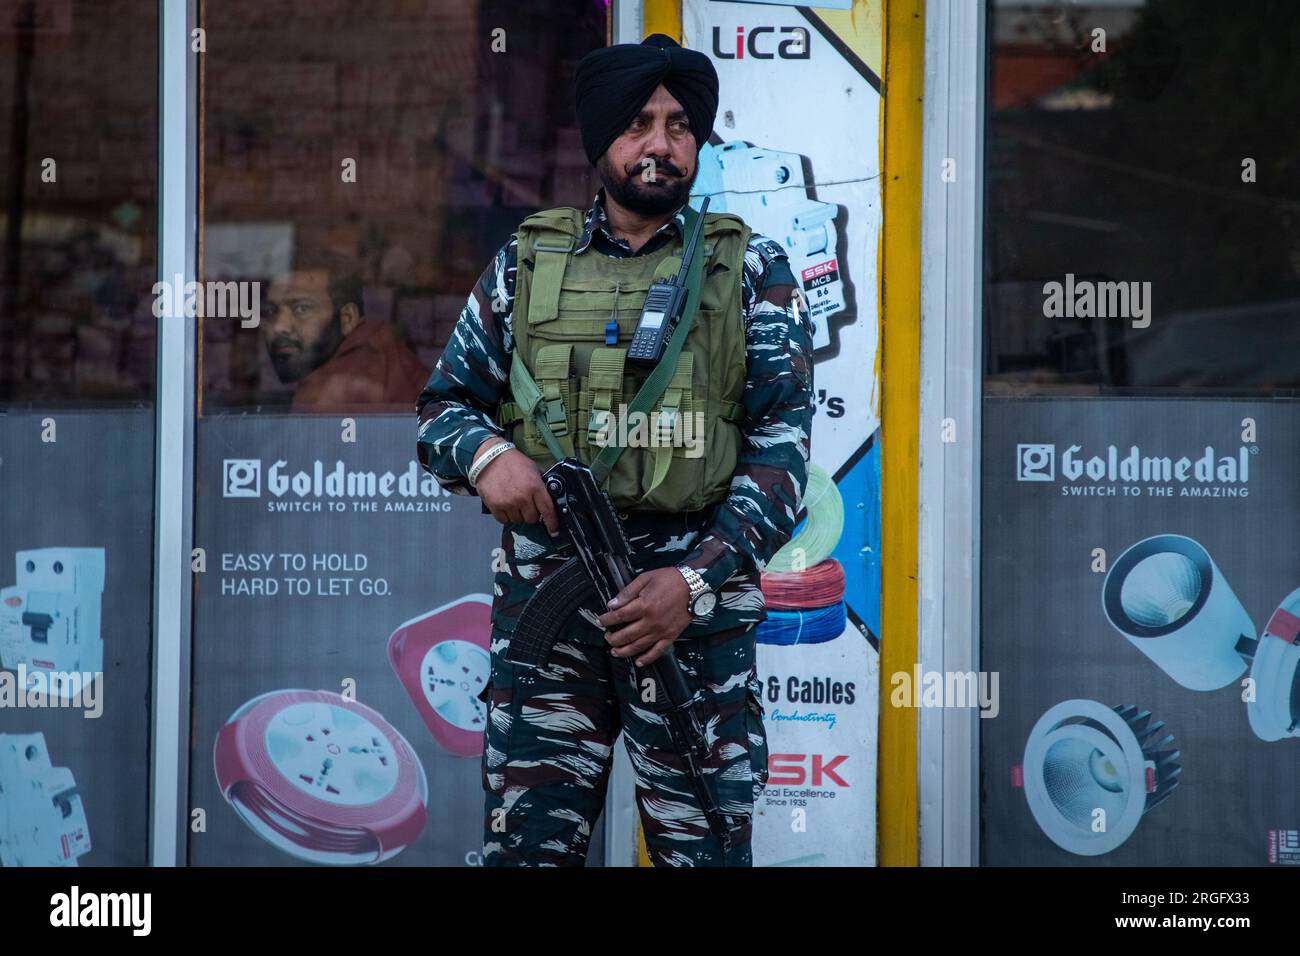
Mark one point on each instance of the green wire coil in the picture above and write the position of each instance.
(821, 532)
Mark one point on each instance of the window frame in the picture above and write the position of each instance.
(950, 389)
(174, 409)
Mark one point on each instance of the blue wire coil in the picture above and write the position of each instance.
(812, 626)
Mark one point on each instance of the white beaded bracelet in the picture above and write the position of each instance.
(477, 468)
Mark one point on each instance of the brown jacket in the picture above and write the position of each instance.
(371, 371)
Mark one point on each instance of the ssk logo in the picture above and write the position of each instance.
(794, 47)
(819, 770)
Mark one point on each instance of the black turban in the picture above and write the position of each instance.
(614, 82)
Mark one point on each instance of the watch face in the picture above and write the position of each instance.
(704, 604)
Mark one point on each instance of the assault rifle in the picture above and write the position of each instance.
(601, 569)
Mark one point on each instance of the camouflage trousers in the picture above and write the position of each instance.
(550, 739)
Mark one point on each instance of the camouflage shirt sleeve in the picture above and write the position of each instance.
(758, 516)
(471, 378)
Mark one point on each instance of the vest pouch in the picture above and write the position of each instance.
(662, 441)
(701, 447)
(550, 257)
(602, 397)
(553, 374)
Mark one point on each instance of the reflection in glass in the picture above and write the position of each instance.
(360, 169)
(1142, 151)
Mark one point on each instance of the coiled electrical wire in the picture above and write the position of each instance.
(821, 531)
(814, 626)
(818, 586)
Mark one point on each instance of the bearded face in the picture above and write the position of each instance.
(300, 326)
(651, 167)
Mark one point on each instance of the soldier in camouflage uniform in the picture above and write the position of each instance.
(551, 730)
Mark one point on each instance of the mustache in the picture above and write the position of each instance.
(660, 165)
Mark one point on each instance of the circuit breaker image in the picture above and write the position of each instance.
(50, 619)
(42, 820)
(767, 189)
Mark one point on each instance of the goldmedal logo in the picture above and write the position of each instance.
(1131, 471)
(334, 486)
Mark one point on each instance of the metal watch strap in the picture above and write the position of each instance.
(694, 582)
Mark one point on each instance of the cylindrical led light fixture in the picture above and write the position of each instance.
(1171, 601)
(1091, 771)
(321, 777)
(1275, 710)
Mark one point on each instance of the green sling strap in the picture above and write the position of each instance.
(528, 396)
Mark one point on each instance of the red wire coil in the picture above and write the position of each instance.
(818, 586)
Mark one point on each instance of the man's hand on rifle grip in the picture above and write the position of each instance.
(511, 487)
(649, 614)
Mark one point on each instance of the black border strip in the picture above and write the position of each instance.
(852, 461)
(872, 639)
(833, 39)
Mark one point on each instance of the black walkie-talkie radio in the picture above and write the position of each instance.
(663, 307)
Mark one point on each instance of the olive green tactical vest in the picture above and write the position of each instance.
(562, 305)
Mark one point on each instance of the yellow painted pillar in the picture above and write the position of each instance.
(663, 16)
(900, 346)
(899, 275)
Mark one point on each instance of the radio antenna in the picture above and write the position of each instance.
(690, 243)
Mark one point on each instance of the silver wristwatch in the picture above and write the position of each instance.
(701, 601)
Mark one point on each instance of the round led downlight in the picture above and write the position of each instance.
(1087, 763)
